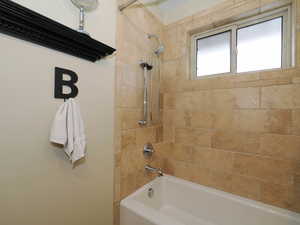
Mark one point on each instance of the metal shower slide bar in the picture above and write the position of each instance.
(146, 67)
(127, 4)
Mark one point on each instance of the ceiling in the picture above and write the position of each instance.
(169, 11)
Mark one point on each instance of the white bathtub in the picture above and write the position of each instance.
(179, 202)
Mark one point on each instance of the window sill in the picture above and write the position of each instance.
(223, 75)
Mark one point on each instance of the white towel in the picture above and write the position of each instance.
(68, 130)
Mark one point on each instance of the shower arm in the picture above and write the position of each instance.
(127, 4)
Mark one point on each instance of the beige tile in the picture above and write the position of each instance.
(221, 180)
(280, 146)
(246, 77)
(130, 118)
(182, 119)
(163, 149)
(296, 122)
(280, 97)
(182, 72)
(277, 74)
(169, 101)
(237, 141)
(225, 82)
(125, 167)
(117, 184)
(169, 86)
(193, 136)
(246, 187)
(181, 170)
(296, 194)
(199, 174)
(263, 83)
(117, 134)
(213, 159)
(271, 121)
(145, 135)
(298, 44)
(169, 69)
(273, 3)
(170, 166)
(194, 101)
(201, 22)
(185, 101)
(168, 125)
(117, 158)
(296, 94)
(202, 119)
(129, 96)
(223, 99)
(223, 12)
(198, 85)
(266, 169)
(279, 121)
(128, 185)
(159, 133)
(296, 80)
(128, 141)
(246, 98)
(244, 6)
(116, 214)
(278, 195)
(181, 152)
(223, 119)
(170, 41)
(133, 45)
(131, 75)
(250, 120)
(194, 119)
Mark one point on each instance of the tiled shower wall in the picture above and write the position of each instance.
(134, 24)
(237, 133)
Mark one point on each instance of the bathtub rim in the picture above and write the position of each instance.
(132, 204)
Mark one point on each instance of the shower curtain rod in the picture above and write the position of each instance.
(127, 4)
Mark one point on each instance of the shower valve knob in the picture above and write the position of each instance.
(148, 150)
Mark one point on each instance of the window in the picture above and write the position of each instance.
(258, 43)
(213, 49)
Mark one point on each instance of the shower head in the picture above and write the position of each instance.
(159, 50)
(83, 6)
(161, 47)
(87, 5)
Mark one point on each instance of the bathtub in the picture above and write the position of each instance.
(178, 202)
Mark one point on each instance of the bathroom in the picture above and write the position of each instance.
(190, 109)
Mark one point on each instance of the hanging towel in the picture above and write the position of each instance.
(68, 130)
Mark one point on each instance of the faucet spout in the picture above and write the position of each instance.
(154, 170)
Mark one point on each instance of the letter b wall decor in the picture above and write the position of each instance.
(60, 83)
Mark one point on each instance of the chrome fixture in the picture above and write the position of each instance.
(148, 150)
(83, 6)
(154, 170)
(146, 67)
(161, 48)
(127, 4)
(150, 192)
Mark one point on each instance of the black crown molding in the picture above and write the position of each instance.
(23, 23)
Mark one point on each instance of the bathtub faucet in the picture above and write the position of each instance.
(154, 170)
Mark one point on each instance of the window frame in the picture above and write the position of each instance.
(287, 40)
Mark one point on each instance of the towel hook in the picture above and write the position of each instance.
(60, 82)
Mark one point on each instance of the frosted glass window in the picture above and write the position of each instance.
(213, 54)
(260, 46)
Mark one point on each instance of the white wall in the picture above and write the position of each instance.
(38, 186)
